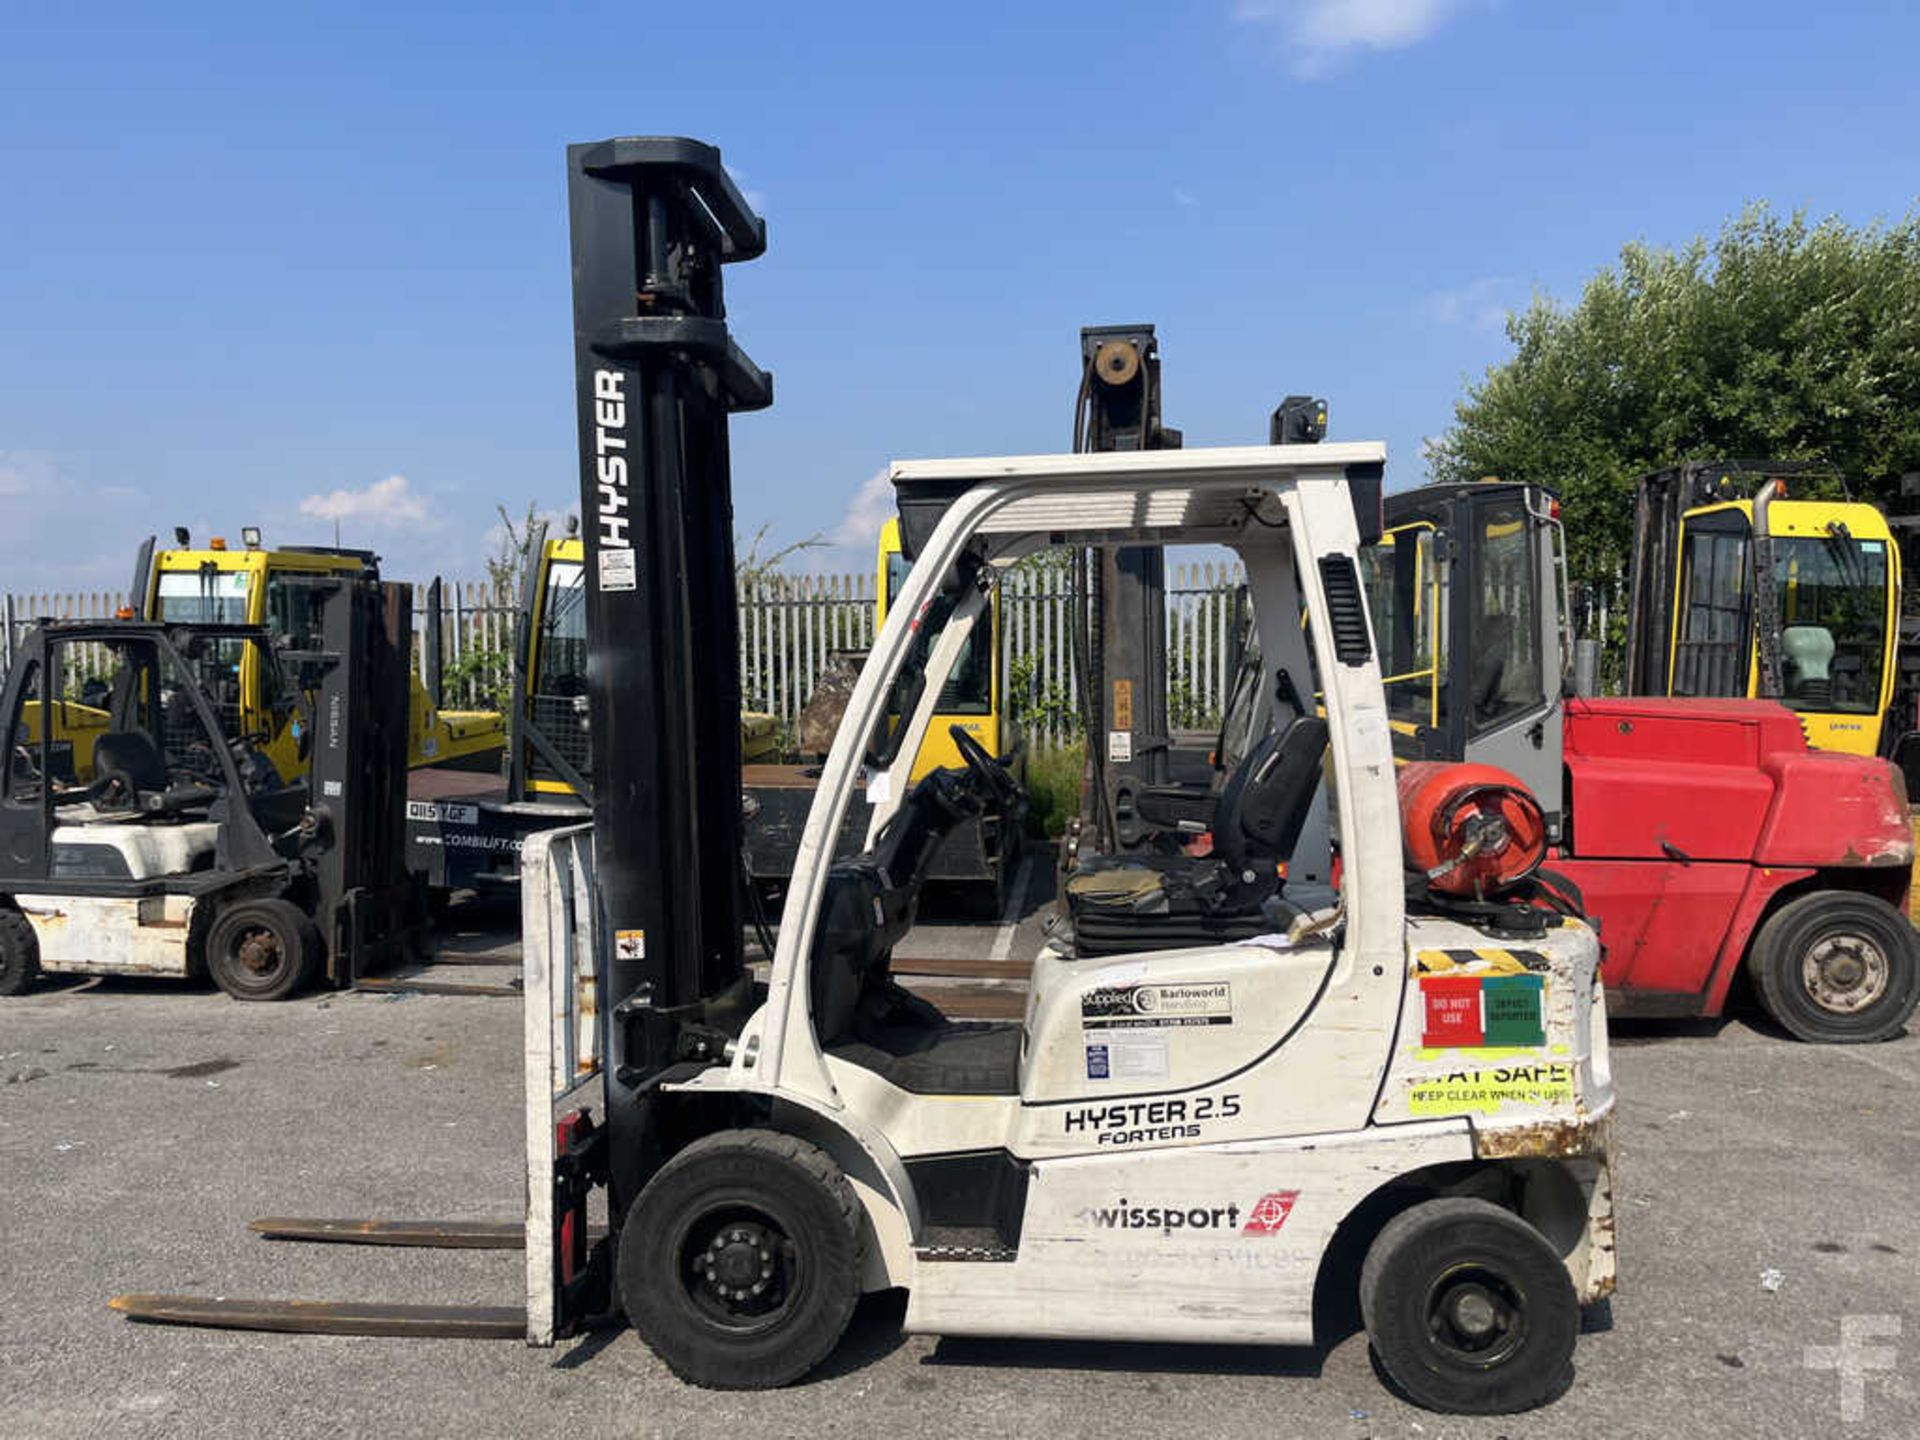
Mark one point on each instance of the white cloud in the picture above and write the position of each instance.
(1317, 35)
(1480, 305)
(1184, 198)
(870, 508)
(389, 502)
(27, 472)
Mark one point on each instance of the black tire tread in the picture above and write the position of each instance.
(1388, 1250)
(17, 941)
(819, 1168)
(290, 916)
(1772, 963)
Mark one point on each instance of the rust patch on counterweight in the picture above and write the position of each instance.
(1548, 1139)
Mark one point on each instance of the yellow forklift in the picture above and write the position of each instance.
(217, 584)
(1739, 590)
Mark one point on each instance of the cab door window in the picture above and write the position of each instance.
(26, 756)
(1710, 650)
(1504, 673)
(1408, 606)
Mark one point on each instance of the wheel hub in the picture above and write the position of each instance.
(259, 952)
(1474, 1312)
(1845, 973)
(738, 1263)
(1475, 1316)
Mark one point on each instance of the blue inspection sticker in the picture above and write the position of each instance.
(1097, 1068)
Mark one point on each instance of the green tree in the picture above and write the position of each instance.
(1778, 340)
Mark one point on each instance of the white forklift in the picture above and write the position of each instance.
(144, 831)
(1183, 1144)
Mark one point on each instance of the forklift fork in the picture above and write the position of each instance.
(569, 1261)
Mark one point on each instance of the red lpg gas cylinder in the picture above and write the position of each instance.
(1472, 830)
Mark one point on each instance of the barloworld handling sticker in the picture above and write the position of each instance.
(1162, 1006)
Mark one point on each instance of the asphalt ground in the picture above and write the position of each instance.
(143, 1124)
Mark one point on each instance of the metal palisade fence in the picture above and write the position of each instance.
(792, 624)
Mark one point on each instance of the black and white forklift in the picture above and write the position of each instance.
(1190, 1142)
(145, 831)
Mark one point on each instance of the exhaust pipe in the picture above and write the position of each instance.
(1766, 592)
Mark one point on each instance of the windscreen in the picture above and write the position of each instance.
(1833, 618)
(190, 597)
(969, 689)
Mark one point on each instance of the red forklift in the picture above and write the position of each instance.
(1708, 840)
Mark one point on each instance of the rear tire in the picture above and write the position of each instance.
(739, 1263)
(1837, 967)
(1470, 1310)
(19, 953)
(262, 950)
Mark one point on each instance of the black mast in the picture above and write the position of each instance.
(656, 376)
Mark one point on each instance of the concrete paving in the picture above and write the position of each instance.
(142, 1126)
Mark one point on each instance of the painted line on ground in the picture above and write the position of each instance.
(1010, 917)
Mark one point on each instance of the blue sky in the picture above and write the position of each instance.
(256, 258)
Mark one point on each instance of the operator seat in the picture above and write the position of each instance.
(131, 753)
(860, 1013)
(1120, 904)
(1493, 643)
(1808, 652)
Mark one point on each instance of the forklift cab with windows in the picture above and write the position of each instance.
(1465, 589)
(1739, 591)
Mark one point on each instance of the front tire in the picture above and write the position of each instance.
(1837, 967)
(19, 953)
(739, 1263)
(1470, 1310)
(262, 950)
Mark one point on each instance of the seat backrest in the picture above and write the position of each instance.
(861, 919)
(132, 753)
(1264, 804)
(1492, 644)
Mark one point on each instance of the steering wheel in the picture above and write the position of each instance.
(990, 772)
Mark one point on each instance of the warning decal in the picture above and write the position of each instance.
(1127, 1055)
(1489, 1090)
(1482, 998)
(617, 571)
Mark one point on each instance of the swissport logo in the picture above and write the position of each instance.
(1270, 1212)
(1266, 1217)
